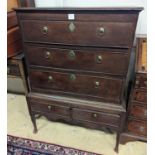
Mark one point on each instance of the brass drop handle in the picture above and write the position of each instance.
(97, 84)
(8, 70)
(95, 115)
(45, 30)
(71, 55)
(141, 128)
(137, 82)
(72, 77)
(99, 58)
(101, 31)
(47, 55)
(71, 27)
(50, 78)
(49, 107)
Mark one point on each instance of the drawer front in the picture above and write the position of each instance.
(137, 127)
(138, 111)
(140, 96)
(96, 117)
(13, 70)
(103, 88)
(141, 81)
(11, 19)
(54, 109)
(115, 34)
(106, 61)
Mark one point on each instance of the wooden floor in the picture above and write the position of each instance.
(19, 124)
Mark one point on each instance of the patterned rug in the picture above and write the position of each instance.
(22, 146)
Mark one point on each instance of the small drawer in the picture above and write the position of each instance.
(140, 96)
(75, 84)
(50, 108)
(141, 81)
(96, 117)
(138, 111)
(13, 70)
(137, 127)
(109, 61)
(109, 34)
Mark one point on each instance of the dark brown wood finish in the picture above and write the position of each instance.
(106, 89)
(14, 42)
(58, 32)
(107, 61)
(11, 19)
(136, 128)
(78, 67)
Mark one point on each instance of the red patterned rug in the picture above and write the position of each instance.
(22, 146)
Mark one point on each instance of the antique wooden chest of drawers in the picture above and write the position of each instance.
(136, 124)
(77, 61)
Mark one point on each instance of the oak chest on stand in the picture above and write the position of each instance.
(77, 61)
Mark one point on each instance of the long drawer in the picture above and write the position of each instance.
(49, 108)
(101, 88)
(108, 61)
(96, 117)
(107, 34)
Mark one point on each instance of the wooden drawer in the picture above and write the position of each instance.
(96, 117)
(101, 88)
(137, 127)
(14, 42)
(141, 81)
(138, 111)
(51, 108)
(11, 19)
(13, 70)
(140, 96)
(107, 34)
(108, 61)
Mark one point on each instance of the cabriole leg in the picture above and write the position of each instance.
(117, 142)
(34, 123)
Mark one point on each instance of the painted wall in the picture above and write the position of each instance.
(142, 21)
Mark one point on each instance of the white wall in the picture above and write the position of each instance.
(142, 21)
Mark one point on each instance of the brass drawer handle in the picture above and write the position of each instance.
(97, 84)
(8, 70)
(141, 129)
(101, 31)
(49, 107)
(45, 30)
(71, 27)
(71, 55)
(95, 115)
(50, 78)
(47, 55)
(137, 82)
(72, 77)
(99, 58)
